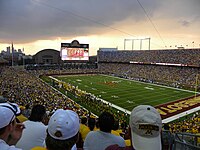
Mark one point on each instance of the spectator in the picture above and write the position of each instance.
(62, 131)
(35, 132)
(10, 131)
(92, 124)
(146, 124)
(99, 140)
(84, 129)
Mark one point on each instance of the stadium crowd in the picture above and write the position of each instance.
(181, 56)
(177, 68)
(23, 88)
(168, 75)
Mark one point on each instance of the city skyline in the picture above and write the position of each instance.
(40, 24)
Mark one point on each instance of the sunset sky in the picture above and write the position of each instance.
(40, 24)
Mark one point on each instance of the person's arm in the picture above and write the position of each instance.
(16, 134)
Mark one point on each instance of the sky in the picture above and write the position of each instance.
(41, 24)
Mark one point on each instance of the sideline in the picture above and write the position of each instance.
(167, 120)
(106, 102)
(65, 95)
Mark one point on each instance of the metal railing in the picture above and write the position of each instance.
(186, 141)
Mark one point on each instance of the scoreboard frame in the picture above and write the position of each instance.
(74, 51)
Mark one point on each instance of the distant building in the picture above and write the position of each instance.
(8, 49)
(47, 56)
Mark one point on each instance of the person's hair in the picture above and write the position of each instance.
(54, 144)
(37, 113)
(116, 125)
(166, 126)
(91, 123)
(83, 120)
(106, 121)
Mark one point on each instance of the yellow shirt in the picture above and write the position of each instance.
(22, 118)
(128, 142)
(84, 130)
(115, 132)
(39, 148)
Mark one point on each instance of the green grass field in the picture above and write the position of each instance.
(125, 93)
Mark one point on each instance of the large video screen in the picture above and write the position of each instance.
(71, 51)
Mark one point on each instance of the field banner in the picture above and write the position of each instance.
(172, 108)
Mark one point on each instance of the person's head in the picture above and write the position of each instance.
(83, 120)
(38, 113)
(166, 126)
(116, 125)
(63, 130)
(91, 123)
(146, 124)
(106, 121)
(8, 113)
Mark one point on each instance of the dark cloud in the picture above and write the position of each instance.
(30, 20)
(185, 23)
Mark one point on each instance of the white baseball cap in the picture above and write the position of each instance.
(63, 124)
(8, 111)
(146, 125)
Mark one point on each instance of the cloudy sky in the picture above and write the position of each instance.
(38, 24)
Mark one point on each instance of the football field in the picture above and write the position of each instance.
(123, 92)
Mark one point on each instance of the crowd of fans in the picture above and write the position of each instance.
(27, 90)
(169, 75)
(181, 56)
(24, 88)
(189, 125)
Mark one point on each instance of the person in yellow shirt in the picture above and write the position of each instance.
(84, 129)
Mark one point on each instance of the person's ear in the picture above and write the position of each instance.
(45, 119)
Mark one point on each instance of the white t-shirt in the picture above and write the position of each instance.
(33, 135)
(5, 146)
(98, 140)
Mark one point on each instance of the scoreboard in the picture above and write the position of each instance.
(74, 51)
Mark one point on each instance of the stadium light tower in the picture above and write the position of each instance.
(133, 40)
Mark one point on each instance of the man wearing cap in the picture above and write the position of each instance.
(10, 131)
(145, 124)
(62, 131)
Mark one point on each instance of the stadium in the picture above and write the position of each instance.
(117, 81)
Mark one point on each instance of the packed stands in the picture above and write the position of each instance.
(25, 87)
(177, 68)
(181, 56)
